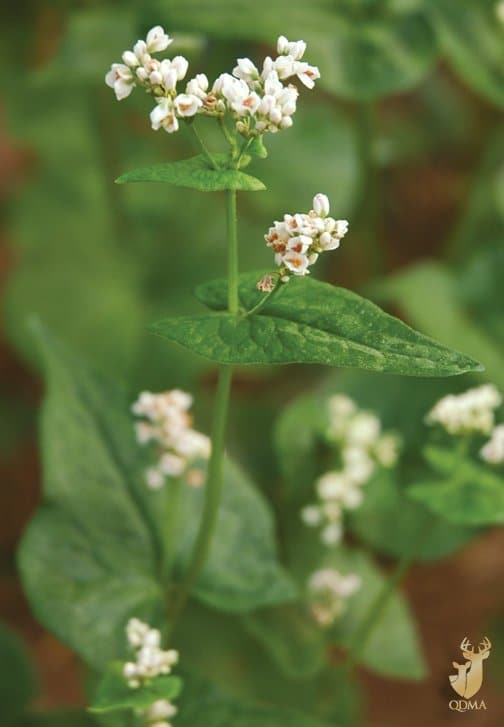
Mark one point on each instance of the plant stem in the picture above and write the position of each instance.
(363, 633)
(233, 302)
(213, 486)
(204, 147)
(171, 508)
(263, 301)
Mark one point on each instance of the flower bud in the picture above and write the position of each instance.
(321, 204)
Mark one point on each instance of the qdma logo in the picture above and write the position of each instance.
(469, 677)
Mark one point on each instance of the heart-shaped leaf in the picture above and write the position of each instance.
(196, 173)
(115, 695)
(310, 322)
(94, 555)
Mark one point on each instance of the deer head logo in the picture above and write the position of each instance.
(469, 678)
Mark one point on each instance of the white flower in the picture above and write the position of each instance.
(187, 105)
(332, 485)
(307, 74)
(493, 451)
(358, 465)
(387, 449)
(295, 49)
(154, 478)
(331, 534)
(121, 79)
(328, 591)
(198, 86)
(141, 52)
(130, 59)
(157, 40)
(296, 262)
(321, 204)
(246, 70)
(311, 515)
(472, 411)
(172, 465)
(163, 115)
(298, 240)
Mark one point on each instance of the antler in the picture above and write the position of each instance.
(485, 645)
(466, 645)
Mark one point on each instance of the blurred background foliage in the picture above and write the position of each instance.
(404, 134)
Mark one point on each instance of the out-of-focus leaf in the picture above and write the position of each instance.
(364, 50)
(291, 638)
(90, 558)
(202, 705)
(428, 296)
(195, 173)
(115, 695)
(472, 36)
(310, 322)
(393, 648)
(17, 678)
(466, 493)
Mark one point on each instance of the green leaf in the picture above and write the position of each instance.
(466, 493)
(257, 148)
(427, 293)
(17, 678)
(291, 638)
(94, 554)
(393, 649)
(196, 173)
(203, 705)
(115, 695)
(472, 37)
(377, 524)
(310, 322)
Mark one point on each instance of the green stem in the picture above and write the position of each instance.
(204, 147)
(213, 485)
(263, 301)
(227, 135)
(233, 302)
(172, 502)
(363, 633)
(243, 151)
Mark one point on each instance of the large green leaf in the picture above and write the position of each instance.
(115, 695)
(310, 322)
(202, 705)
(427, 292)
(17, 678)
(463, 492)
(364, 50)
(291, 638)
(393, 647)
(472, 36)
(196, 173)
(94, 554)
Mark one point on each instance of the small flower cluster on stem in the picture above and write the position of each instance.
(328, 592)
(158, 713)
(150, 660)
(362, 447)
(467, 413)
(493, 451)
(256, 101)
(168, 424)
(298, 239)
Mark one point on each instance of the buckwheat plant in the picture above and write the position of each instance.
(151, 511)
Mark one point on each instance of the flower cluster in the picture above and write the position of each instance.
(493, 451)
(328, 591)
(151, 661)
(258, 101)
(168, 424)
(298, 239)
(472, 411)
(157, 714)
(362, 447)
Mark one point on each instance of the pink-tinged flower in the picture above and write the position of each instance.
(121, 79)
(296, 262)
